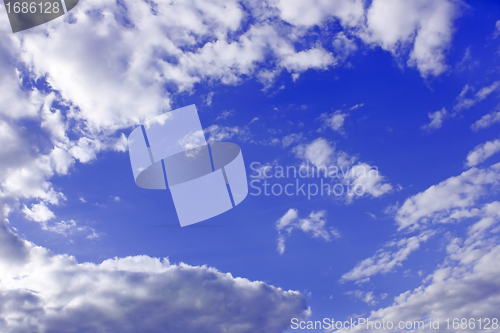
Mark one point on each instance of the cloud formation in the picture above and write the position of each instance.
(436, 118)
(482, 152)
(454, 194)
(464, 285)
(385, 260)
(314, 224)
(486, 121)
(323, 155)
(44, 292)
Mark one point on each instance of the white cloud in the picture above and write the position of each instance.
(384, 261)
(436, 120)
(343, 46)
(38, 212)
(29, 181)
(497, 29)
(321, 153)
(449, 201)
(291, 139)
(86, 149)
(317, 58)
(15, 102)
(121, 144)
(122, 71)
(307, 13)
(208, 98)
(221, 133)
(10, 138)
(426, 25)
(486, 91)
(486, 121)
(67, 228)
(367, 178)
(335, 121)
(109, 73)
(454, 194)
(52, 120)
(466, 103)
(224, 115)
(481, 152)
(192, 140)
(41, 213)
(314, 224)
(360, 178)
(464, 285)
(367, 297)
(131, 294)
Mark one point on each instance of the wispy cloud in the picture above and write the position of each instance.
(436, 120)
(314, 224)
(385, 260)
(486, 121)
(482, 152)
(464, 102)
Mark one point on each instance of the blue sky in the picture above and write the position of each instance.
(407, 87)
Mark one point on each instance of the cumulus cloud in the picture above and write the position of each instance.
(314, 224)
(122, 70)
(425, 26)
(335, 121)
(482, 152)
(321, 153)
(368, 178)
(301, 12)
(343, 46)
(38, 212)
(58, 294)
(107, 71)
(361, 177)
(436, 120)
